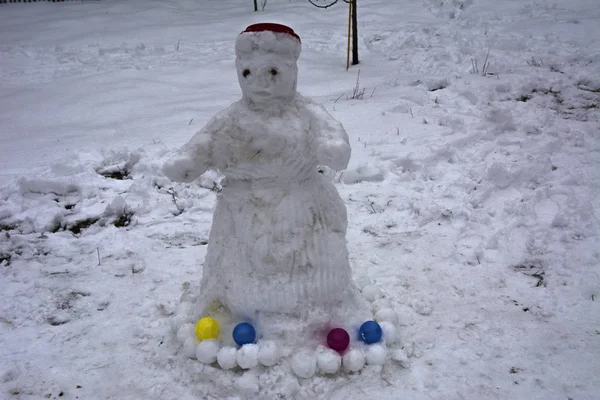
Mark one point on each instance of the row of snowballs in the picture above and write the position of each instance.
(305, 363)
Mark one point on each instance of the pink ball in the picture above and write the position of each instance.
(338, 339)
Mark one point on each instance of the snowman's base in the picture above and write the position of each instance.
(307, 354)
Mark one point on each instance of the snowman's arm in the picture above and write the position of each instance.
(331, 140)
(195, 157)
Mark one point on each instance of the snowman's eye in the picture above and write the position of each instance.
(273, 71)
(246, 73)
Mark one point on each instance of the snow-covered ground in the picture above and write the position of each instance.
(473, 197)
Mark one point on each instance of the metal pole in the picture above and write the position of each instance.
(349, 24)
(354, 34)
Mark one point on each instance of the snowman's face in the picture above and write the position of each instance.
(267, 78)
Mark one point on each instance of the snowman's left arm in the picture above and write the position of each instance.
(330, 138)
(197, 155)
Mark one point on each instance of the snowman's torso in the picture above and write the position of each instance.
(278, 234)
(260, 145)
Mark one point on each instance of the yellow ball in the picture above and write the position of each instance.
(207, 328)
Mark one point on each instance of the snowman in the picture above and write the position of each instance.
(277, 245)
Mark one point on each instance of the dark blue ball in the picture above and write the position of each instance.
(370, 332)
(244, 333)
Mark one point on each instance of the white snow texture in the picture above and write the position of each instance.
(472, 197)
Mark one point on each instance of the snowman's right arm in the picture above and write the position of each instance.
(196, 156)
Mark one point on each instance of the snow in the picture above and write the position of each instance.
(268, 353)
(185, 331)
(385, 314)
(389, 333)
(353, 360)
(247, 356)
(376, 354)
(473, 208)
(328, 360)
(247, 384)
(227, 357)
(304, 364)
(207, 350)
(190, 346)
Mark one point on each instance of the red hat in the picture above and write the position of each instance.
(272, 27)
(270, 38)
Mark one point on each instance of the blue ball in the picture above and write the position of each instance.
(370, 332)
(244, 333)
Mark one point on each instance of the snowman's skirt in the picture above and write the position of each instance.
(295, 342)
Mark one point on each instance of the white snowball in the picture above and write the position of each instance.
(371, 293)
(268, 354)
(353, 360)
(227, 357)
(176, 323)
(247, 356)
(380, 304)
(247, 383)
(207, 350)
(376, 354)
(328, 360)
(304, 364)
(185, 332)
(362, 281)
(189, 347)
(386, 314)
(389, 332)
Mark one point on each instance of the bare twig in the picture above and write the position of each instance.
(372, 208)
(485, 68)
(534, 63)
(486, 64)
(59, 272)
(98, 251)
(173, 194)
(357, 92)
(474, 68)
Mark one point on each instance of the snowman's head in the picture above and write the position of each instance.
(266, 56)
